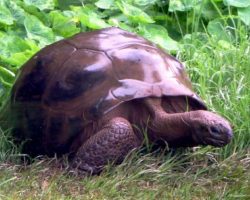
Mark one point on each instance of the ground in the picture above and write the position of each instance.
(186, 174)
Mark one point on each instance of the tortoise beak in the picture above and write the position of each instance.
(219, 136)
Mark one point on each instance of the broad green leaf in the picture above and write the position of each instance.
(89, 18)
(134, 13)
(182, 5)
(32, 10)
(12, 43)
(144, 3)
(18, 59)
(244, 14)
(41, 4)
(208, 11)
(117, 23)
(65, 4)
(62, 25)
(237, 3)
(37, 31)
(159, 35)
(15, 50)
(16, 11)
(104, 4)
(5, 15)
(217, 29)
(225, 45)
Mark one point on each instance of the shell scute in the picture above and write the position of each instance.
(106, 39)
(36, 74)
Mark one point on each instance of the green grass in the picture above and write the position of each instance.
(222, 78)
(197, 175)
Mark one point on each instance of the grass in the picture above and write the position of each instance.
(221, 76)
(197, 175)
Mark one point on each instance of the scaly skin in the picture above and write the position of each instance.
(111, 144)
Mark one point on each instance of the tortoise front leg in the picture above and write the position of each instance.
(111, 144)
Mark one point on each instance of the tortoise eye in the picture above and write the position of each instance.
(214, 129)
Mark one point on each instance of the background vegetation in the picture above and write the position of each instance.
(210, 36)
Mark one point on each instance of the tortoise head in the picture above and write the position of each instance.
(209, 128)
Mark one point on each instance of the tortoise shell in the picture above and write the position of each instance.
(77, 80)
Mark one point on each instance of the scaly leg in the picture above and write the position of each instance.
(111, 144)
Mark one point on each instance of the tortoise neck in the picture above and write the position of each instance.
(169, 127)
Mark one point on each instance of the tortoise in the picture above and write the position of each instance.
(90, 95)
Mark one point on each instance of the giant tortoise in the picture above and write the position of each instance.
(89, 96)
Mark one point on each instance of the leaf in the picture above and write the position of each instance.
(134, 13)
(5, 15)
(159, 35)
(16, 11)
(117, 23)
(90, 18)
(144, 3)
(207, 10)
(18, 59)
(225, 45)
(32, 10)
(12, 43)
(4, 85)
(7, 78)
(7, 74)
(237, 3)
(15, 50)
(244, 14)
(65, 4)
(62, 25)
(104, 4)
(217, 29)
(41, 4)
(37, 31)
(182, 5)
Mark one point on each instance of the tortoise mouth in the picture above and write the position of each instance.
(217, 142)
(220, 138)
